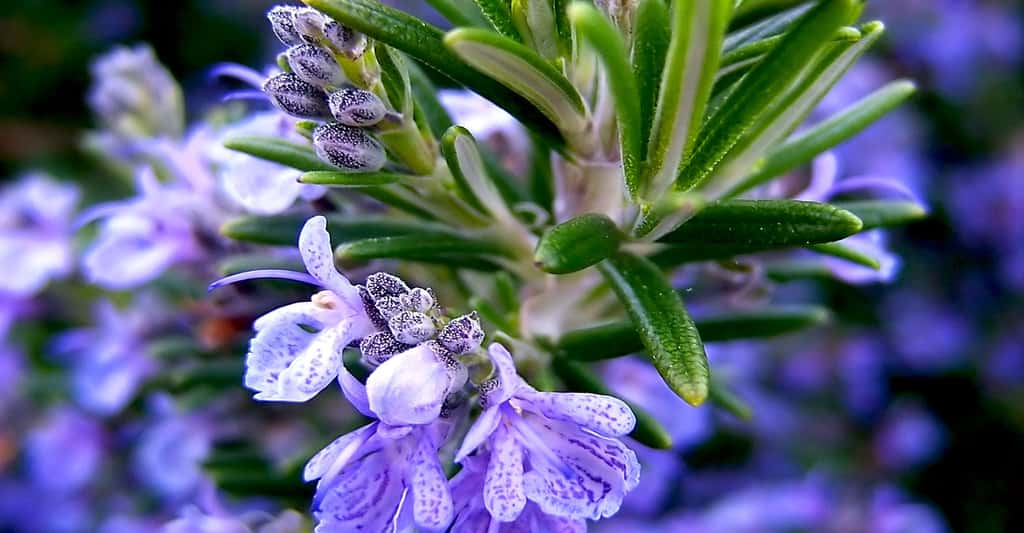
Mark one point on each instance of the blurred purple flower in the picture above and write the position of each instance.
(170, 451)
(35, 233)
(109, 360)
(257, 185)
(557, 450)
(134, 96)
(892, 512)
(64, 451)
(906, 314)
(908, 437)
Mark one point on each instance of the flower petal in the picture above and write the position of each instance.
(605, 415)
(432, 502)
(409, 388)
(339, 452)
(316, 367)
(318, 256)
(503, 485)
(485, 424)
(354, 391)
(365, 496)
(508, 380)
(280, 338)
(605, 470)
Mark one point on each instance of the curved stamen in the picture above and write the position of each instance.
(239, 72)
(271, 273)
(247, 94)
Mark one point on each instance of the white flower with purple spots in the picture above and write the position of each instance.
(556, 450)
(297, 349)
(381, 477)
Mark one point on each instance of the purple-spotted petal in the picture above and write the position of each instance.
(432, 502)
(314, 369)
(603, 471)
(605, 415)
(409, 388)
(280, 338)
(503, 485)
(337, 454)
(317, 254)
(485, 424)
(365, 496)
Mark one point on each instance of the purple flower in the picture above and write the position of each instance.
(64, 452)
(134, 95)
(381, 477)
(170, 451)
(141, 237)
(35, 237)
(556, 450)
(257, 185)
(472, 516)
(411, 387)
(909, 436)
(109, 361)
(297, 349)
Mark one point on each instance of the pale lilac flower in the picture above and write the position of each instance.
(260, 186)
(170, 452)
(64, 452)
(35, 236)
(297, 349)
(141, 237)
(108, 361)
(381, 477)
(556, 450)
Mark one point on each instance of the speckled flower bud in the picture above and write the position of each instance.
(389, 306)
(296, 97)
(344, 39)
(356, 107)
(418, 300)
(462, 335)
(348, 148)
(379, 347)
(282, 22)
(411, 327)
(316, 65)
(381, 284)
(309, 24)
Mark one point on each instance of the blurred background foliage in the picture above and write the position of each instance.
(947, 336)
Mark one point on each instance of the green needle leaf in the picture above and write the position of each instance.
(577, 377)
(884, 213)
(842, 251)
(829, 133)
(520, 69)
(697, 32)
(283, 230)
(424, 42)
(668, 333)
(652, 37)
(470, 174)
(610, 47)
(617, 339)
(287, 153)
(727, 400)
(355, 179)
(459, 13)
(577, 243)
(444, 249)
(753, 96)
(766, 223)
(500, 16)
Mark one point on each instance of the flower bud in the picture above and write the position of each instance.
(418, 300)
(461, 335)
(348, 148)
(382, 284)
(315, 65)
(356, 107)
(378, 347)
(282, 22)
(411, 327)
(309, 24)
(344, 39)
(296, 97)
(389, 306)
